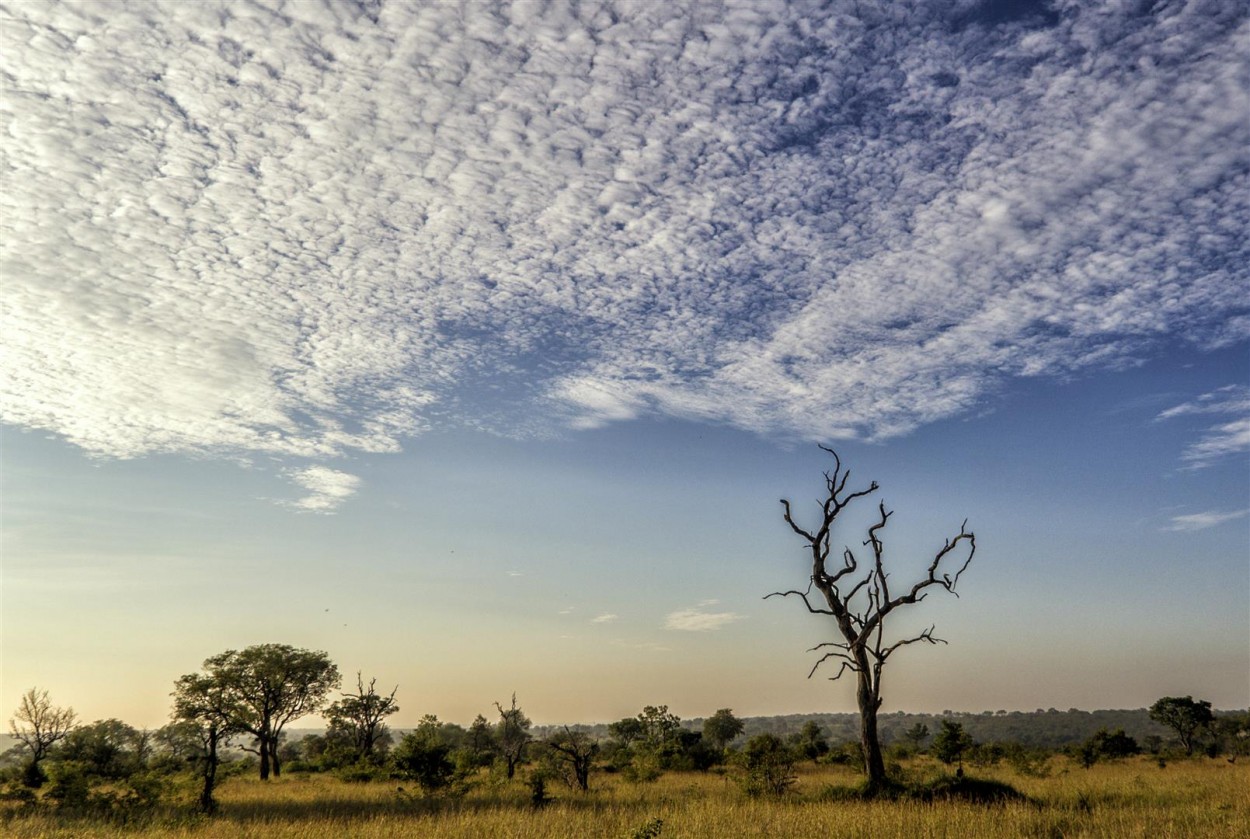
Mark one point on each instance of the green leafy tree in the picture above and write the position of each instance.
(951, 742)
(626, 731)
(1183, 715)
(512, 735)
(108, 749)
(205, 709)
(720, 729)
(860, 597)
(268, 686)
(1104, 744)
(38, 725)
(359, 719)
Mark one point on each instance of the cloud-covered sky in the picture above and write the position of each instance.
(504, 327)
(307, 230)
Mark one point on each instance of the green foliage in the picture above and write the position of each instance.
(356, 724)
(262, 688)
(70, 788)
(916, 735)
(1104, 745)
(951, 743)
(108, 749)
(769, 766)
(1183, 715)
(720, 729)
(626, 731)
(33, 775)
(644, 766)
(810, 741)
(422, 758)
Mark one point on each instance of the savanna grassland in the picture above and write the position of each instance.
(1130, 798)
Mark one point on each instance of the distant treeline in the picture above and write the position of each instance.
(1049, 729)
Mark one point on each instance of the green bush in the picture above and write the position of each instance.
(769, 765)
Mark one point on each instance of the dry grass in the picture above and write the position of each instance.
(1133, 798)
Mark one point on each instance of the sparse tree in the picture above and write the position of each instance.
(1183, 715)
(512, 734)
(205, 708)
(359, 719)
(722, 728)
(480, 742)
(38, 725)
(916, 735)
(269, 685)
(576, 751)
(659, 727)
(858, 596)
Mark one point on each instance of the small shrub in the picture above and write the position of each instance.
(648, 830)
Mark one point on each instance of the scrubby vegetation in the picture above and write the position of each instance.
(1194, 797)
(649, 775)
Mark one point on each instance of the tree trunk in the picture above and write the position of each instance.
(264, 758)
(273, 758)
(208, 805)
(869, 741)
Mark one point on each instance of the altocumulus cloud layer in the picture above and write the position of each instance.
(307, 229)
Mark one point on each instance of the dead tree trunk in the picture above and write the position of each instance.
(858, 599)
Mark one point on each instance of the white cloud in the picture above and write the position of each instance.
(1201, 521)
(327, 488)
(303, 230)
(604, 618)
(698, 620)
(1224, 439)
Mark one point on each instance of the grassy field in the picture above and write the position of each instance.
(1133, 798)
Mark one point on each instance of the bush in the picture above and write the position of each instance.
(769, 765)
(70, 789)
(417, 758)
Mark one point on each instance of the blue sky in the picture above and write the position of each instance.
(476, 345)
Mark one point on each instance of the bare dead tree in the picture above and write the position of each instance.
(858, 598)
(38, 725)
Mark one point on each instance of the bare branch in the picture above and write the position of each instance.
(806, 602)
(926, 636)
(848, 665)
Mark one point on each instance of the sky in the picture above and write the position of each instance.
(475, 345)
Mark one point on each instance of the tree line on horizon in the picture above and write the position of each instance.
(231, 719)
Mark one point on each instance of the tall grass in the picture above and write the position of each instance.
(1134, 798)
